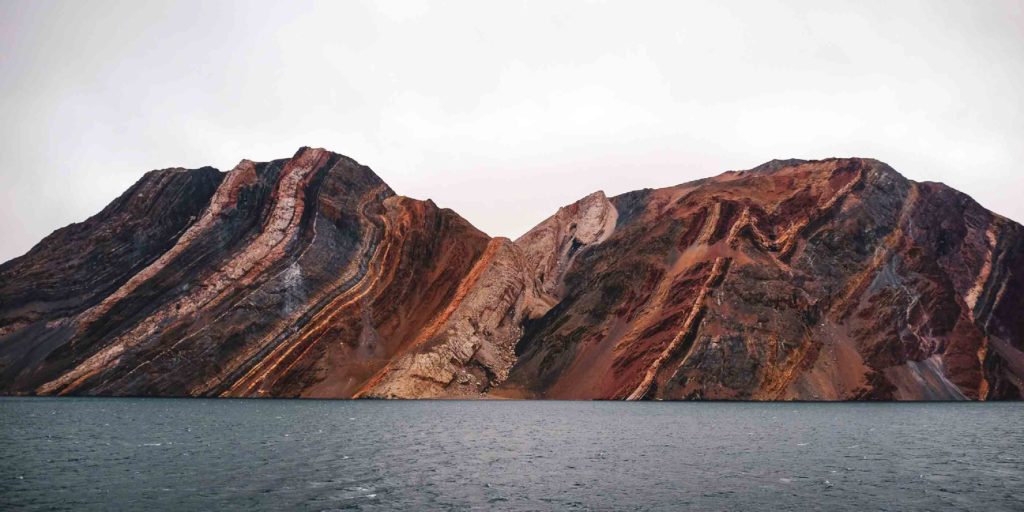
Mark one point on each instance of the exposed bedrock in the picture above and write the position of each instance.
(308, 277)
(827, 280)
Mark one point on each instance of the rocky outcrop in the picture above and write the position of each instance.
(469, 347)
(551, 247)
(834, 279)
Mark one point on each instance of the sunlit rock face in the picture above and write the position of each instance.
(308, 277)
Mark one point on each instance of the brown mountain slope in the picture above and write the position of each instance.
(836, 279)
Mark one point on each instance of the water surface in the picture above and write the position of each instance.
(177, 454)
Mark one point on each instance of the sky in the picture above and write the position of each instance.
(502, 111)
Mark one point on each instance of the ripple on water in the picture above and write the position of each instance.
(326, 455)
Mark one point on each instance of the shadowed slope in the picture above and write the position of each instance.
(76, 267)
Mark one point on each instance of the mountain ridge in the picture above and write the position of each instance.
(309, 276)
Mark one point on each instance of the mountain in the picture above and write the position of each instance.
(309, 277)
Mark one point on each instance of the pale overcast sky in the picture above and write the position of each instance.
(503, 111)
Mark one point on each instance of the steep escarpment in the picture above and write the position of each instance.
(308, 276)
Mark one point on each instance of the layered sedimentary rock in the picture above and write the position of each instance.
(835, 279)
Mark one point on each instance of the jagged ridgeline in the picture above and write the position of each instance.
(310, 277)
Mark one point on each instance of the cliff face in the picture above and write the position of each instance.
(834, 279)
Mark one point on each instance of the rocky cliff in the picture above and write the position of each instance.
(821, 280)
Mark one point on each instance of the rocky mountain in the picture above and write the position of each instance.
(308, 277)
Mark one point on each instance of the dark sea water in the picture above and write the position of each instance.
(167, 454)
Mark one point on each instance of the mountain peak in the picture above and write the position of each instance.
(308, 276)
(776, 164)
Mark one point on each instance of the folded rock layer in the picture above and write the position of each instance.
(308, 277)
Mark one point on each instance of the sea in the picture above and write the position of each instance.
(257, 454)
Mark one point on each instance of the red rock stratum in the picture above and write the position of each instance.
(308, 277)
